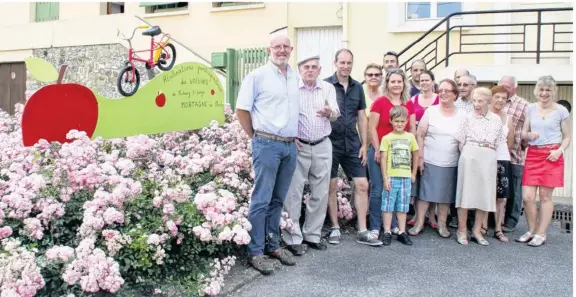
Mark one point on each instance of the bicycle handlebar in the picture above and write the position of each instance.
(133, 32)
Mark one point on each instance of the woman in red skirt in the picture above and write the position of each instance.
(547, 130)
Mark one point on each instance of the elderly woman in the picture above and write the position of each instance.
(480, 134)
(438, 157)
(395, 89)
(547, 129)
(503, 177)
(372, 91)
(422, 101)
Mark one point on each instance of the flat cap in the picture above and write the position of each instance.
(317, 57)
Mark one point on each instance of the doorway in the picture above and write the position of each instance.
(12, 85)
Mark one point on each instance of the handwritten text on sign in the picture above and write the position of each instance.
(188, 97)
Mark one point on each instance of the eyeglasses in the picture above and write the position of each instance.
(307, 67)
(281, 47)
(373, 74)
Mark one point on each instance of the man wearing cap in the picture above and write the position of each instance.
(267, 109)
(318, 106)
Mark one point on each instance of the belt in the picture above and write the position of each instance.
(546, 146)
(483, 144)
(312, 143)
(274, 137)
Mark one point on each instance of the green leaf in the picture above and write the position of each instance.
(41, 69)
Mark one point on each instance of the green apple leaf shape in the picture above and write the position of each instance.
(41, 69)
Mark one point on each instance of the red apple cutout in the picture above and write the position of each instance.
(56, 109)
(160, 100)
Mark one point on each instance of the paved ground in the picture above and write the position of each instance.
(431, 267)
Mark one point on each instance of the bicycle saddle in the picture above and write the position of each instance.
(153, 31)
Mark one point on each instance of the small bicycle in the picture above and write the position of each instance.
(162, 54)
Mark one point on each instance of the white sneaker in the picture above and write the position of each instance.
(334, 237)
(375, 233)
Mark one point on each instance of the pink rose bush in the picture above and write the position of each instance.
(102, 215)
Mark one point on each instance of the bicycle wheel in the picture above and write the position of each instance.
(124, 77)
(162, 63)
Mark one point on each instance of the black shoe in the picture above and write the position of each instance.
(387, 238)
(404, 238)
(296, 249)
(321, 246)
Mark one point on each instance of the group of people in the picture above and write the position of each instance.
(446, 148)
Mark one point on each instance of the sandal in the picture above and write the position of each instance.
(411, 223)
(537, 240)
(483, 231)
(526, 237)
(415, 230)
(443, 232)
(461, 239)
(433, 225)
(482, 241)
(500, 236)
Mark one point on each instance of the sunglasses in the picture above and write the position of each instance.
(373, 74)
(395, 70)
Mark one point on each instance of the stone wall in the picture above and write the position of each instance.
(94, 66)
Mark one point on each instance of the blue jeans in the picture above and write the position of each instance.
(514, 203)
(274, 163)
(376, 188)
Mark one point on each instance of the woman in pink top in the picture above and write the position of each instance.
(422, 101)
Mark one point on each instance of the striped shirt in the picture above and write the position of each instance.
(516, 107)
(311, 127)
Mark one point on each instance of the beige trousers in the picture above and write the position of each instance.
(314, 163)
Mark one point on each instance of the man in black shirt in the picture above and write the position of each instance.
(348, 149)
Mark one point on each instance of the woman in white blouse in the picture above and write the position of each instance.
(438, 157)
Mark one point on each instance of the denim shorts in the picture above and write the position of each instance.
(398, 198)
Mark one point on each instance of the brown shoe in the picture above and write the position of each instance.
(262, 264)
(284, 256)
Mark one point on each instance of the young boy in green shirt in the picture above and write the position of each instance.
(399, 164)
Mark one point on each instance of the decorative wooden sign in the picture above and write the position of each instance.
(187, 97)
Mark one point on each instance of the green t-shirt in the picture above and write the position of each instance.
(399, 148)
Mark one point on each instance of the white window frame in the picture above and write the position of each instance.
(397, 22)
(150, 12)
(433, 11)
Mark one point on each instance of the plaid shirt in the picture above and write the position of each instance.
(516, 107)
(311, 127)
(466, 106)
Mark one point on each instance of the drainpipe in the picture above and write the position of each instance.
(345, 24)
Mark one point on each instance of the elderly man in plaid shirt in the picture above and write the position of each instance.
(515, 107)
(318, 106)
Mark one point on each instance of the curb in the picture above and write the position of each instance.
(240, 275)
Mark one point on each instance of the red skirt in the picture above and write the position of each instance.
(541, 172)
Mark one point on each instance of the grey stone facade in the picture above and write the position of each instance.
(93, 66)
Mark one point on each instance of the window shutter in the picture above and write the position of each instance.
(54, 11)
(47, 11)
(42, 11)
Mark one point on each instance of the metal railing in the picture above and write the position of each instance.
(432, 56)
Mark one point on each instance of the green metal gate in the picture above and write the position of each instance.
(238, 63)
